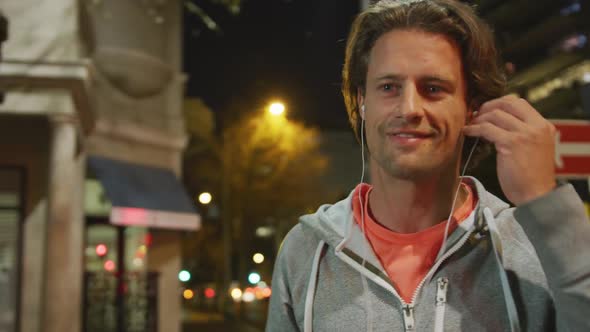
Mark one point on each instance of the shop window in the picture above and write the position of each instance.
(120, 293)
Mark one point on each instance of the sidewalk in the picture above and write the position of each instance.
(218, 327)
(215, 322)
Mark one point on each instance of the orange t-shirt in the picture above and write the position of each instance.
(407, 258)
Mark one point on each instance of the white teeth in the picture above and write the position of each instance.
(406, 135)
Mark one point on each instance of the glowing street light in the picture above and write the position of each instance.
(205, 198)
(184, 276)
(236, 294)
(209, 293)
(254, 278)
(276, 108)
(188, 294)
(258, 258)
(248, 296)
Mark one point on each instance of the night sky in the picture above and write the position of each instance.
(294, 50)
(287, 49)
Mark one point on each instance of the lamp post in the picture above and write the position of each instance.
(273, 121)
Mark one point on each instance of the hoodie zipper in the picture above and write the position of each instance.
(408, 313)
(441, 300)
(408, 308)
(440, 261)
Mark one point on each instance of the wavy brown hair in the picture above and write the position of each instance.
(484, 76)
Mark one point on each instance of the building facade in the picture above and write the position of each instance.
(91, 139)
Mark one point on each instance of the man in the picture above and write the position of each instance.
(415, 74)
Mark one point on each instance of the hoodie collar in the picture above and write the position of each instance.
(334, 223)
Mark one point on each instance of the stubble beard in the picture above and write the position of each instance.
(395, 169)
(419, 168)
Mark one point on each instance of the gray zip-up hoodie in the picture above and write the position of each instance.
(503, 269)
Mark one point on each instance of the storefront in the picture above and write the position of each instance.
(127, 206)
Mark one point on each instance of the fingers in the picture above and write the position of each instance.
(489, 132)
(515, 115)
(498, 120)
(501, 119)
(517, 107)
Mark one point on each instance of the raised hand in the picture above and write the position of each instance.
(525, 145)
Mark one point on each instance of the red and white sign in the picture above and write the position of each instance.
(572, 150)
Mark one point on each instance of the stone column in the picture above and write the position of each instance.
(65, 229)
(165, 257)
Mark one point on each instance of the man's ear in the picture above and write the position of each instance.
(472, 113)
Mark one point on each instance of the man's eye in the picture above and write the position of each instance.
(433, 89)
(387, 87)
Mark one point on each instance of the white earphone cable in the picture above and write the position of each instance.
(442, 247)
(362, 208)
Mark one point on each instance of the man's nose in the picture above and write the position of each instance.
(411, 102)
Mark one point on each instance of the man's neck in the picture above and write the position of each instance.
(407, 206)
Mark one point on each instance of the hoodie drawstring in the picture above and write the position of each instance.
(313, 277)
(497, 248)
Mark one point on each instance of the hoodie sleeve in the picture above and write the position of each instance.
(559, 229)
(281, 316)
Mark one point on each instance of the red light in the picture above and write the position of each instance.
(209, 293)
(101, 250)
(148, 239)
(267, 292)
(109, 265)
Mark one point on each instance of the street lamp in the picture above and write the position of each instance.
(205, 198)
(254, 278)
(236, 294)
(184, 276)
(276, 109)
(258, 258)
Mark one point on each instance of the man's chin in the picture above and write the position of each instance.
(409, 172)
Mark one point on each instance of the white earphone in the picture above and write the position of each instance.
(362, 208)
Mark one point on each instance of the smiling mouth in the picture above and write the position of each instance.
(408, 135)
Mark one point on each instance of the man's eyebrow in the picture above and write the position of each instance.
(393, 77)
(428, 78)
(439, 79)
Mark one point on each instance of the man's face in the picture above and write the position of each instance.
(414, 104)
